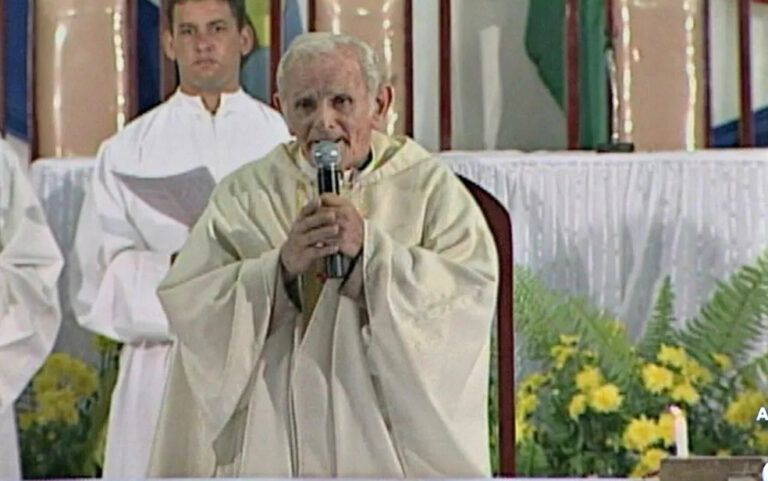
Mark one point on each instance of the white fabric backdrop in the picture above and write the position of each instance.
(612, 226)
(608, 226)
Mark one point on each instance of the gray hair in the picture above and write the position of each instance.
(319, 43)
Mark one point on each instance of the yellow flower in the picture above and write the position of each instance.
(639, 471)
(666, 428)
(58, 405)
(640, 433)
(567, 340)
(744, 408)
(526, 403)
(589, 379)
(723, 361)
(533, 382)
(606, 398)
(696, 373)
(671, 356)
(84, 381)
(61, 371)
(523, 430)
(589, 354)
(577, 406)
(657, 378)
(760, 439)
(45, 380)
(651, 459)
(685, 392)
(561, 354)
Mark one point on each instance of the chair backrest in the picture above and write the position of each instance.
(501, 228)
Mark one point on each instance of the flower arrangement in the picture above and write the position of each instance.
(594, 403)
(62, 415)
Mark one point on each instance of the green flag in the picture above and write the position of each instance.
(545, 45)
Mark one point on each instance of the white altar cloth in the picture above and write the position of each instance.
(608, 226)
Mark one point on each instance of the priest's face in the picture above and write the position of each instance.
(207, 45)
(326, 98)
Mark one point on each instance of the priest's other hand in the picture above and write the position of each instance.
(314, 234)
(350, 223)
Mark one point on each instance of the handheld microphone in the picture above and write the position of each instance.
(328, 162)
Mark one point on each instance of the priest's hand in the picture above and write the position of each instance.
(350, 223)
(314, 234)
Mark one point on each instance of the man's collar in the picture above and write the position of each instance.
(228, 101)
(364, 164)
(375, 158)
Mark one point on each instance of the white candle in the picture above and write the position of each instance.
(681, 431)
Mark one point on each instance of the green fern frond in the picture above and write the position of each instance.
(543, 315)
(732, 321)
(661, 326)
(605, 335)
(535, 322)
(755, 372)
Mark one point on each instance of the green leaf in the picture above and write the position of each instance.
(531, 460)
(754, 372)
(733, 319)
(660, 328)
(543, 315)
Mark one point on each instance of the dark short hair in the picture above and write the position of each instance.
(236, 6)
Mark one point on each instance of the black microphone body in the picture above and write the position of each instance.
(327, 160)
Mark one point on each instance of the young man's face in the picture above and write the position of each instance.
(326, 98)
(207, 46)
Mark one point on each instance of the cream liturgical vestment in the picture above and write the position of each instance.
(118, 298)
(389, 375)
(30, 264)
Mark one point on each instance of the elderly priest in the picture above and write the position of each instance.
(30, 264)
(279, 370)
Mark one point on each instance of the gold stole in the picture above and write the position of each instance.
(311, 282)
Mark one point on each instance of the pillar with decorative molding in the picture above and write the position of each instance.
(661, 59)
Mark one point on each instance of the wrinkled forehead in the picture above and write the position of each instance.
(325, 72)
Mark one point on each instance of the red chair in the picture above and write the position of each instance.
(501, 228)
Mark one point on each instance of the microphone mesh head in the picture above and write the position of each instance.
(326, 154)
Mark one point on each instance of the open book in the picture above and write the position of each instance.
(182, 197)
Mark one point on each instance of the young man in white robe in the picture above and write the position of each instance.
(383, 373)
(30, 316)
(209, 121)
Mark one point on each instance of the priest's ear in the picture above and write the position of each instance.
(276, 103)
(382, 102)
